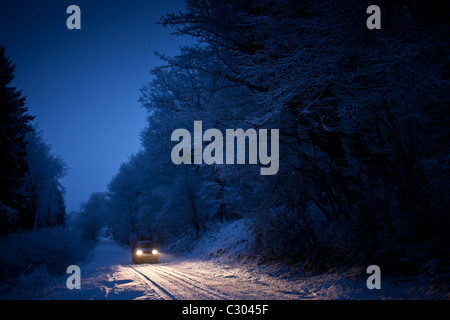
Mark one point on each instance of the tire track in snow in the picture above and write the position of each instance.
(179, 288)
(176, 276)
(191, 275)
(241, 285)
(158, 289)
(171, 283)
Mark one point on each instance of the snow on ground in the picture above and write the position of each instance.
(210, 271)
(226, 244)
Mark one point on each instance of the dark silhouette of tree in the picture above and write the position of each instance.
(30, 193)
(15, 123)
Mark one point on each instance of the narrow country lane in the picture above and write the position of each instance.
(111, 275)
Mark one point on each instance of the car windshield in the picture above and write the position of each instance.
(144, 244)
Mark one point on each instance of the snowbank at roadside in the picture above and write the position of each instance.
(228, 241)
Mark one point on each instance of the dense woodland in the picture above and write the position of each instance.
(34, 240)
(364, 136)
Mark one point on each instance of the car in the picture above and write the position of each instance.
(144, 251)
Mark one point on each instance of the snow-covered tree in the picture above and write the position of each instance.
(363, 127)
(45, 171)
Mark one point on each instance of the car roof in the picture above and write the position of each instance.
(145, 243)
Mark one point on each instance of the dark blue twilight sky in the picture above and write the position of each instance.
(83, 85)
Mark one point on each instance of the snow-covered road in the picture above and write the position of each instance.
(111, 275)
(196, 281)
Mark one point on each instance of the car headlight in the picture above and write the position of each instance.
(155, 251)
(139, 252)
